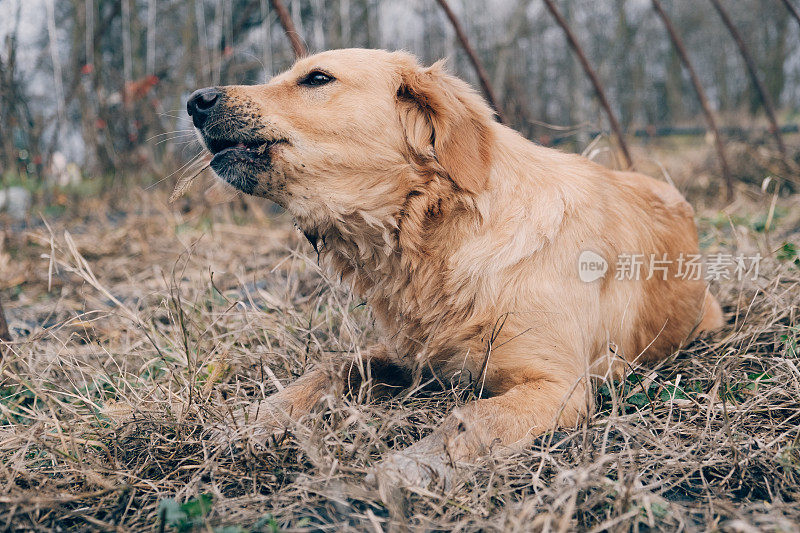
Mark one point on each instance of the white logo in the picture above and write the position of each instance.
(591, 266)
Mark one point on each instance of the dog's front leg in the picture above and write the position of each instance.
(505, 422)
(279, 411)
(297, 399)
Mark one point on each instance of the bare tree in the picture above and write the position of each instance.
(88, 10)
(598, 88)
(763, 94)
(150, 59)
(701, 95)
(344, 21)
(473, 58)
(53, 41)
(317, 31)
(202, 38)
(267, 38)
(288, 27)
(127, 47)
(505, 48)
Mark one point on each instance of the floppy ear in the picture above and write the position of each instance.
(455, 120)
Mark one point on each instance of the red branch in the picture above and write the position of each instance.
(288, 27)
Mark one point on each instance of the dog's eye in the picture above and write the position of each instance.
(315, 78)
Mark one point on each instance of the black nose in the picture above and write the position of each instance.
(201, 103)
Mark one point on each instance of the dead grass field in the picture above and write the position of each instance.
(139, 328)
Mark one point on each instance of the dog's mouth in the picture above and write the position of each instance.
(240, 160)
(219, 147)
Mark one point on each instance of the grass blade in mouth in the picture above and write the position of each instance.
(184, 183)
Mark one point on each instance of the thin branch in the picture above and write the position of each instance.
(288, 27)
(701, 95)
(793, 10)
(762, 91)
(5, 335)
(598, 88)
(476, 62)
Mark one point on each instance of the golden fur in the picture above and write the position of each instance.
(464, 238)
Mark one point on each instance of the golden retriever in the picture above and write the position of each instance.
(465, 239)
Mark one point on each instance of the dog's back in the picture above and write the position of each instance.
(649, 302)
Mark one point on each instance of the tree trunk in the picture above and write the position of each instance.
(344, 22)
(774, 79)
(266, 35)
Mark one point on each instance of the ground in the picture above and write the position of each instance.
(141, 327)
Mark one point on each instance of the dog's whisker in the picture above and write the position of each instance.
(174, 132)
(186, 165)
(178, 141)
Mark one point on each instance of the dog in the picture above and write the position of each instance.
(465, 239)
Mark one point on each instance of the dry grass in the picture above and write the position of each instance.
(144, 328)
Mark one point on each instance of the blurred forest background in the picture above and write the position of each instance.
(98, 87)
(136, 327)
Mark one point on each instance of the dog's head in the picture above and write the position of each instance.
(340, 131)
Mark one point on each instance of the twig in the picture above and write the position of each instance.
(598, 88)
(5, 335)
(476, 62)
(288, 27)
(758, 84)
(701, 95)
(792, 10)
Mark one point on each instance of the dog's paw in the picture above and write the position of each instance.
(261, 424)
(412, 471)
(258, 437)
(239, 435)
